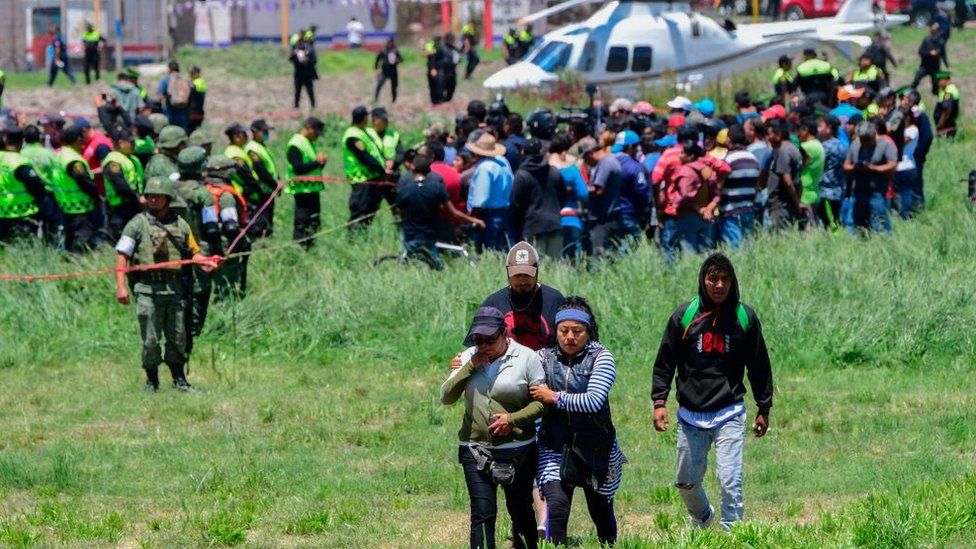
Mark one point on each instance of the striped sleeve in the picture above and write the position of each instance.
(597, 390)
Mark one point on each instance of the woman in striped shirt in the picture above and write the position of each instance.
(577, 441)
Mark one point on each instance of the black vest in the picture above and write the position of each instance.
(573, 377)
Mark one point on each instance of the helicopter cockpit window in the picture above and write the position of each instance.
(553, 56)
(642, 59)
(617, 58)
(696, 28)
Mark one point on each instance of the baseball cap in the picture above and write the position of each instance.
(676, 121)
(620, 105)
(71, 134)
(380, 112)
(705, 106)
(83, 123)
(261, 125)
(625, 139)
(234, 129)
(643, 107)
(776, 111)
(680, 103)
(359, 113)
(667, 141)
(522, 259)
(584, 146)
(315, 123)
(849, 92)
(53, 117)
(487, 321)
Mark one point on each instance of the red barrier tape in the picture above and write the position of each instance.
(64, 276)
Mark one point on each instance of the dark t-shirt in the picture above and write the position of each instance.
(530, 322)
(419, 202)
(606, 174)
(785, 159)
(884, 151)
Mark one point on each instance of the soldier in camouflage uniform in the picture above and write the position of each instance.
(191, 162)
(222, 219)
(158, 236)
(172, 140)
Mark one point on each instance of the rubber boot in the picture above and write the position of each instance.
(152, 379)
(179, 378)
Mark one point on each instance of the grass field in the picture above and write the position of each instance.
(318, 423)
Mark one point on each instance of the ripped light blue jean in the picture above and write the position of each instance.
(693, 446)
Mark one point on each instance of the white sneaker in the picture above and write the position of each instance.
(707, 523)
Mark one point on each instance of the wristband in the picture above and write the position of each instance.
(659, 404)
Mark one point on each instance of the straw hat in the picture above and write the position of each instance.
(486, 145)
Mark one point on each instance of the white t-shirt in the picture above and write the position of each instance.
(355, 29)
(907, 161)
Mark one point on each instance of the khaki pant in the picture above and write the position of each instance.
(161, 314)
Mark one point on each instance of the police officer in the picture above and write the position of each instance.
(365, 168)
(22, 191)
(75, 192)
(172, 140)
(159, 236)
(305, 161)
(387, 139)
(222, 219)
(449, 57)
(868, 75)
(198, 98)
(816, 77)
(244, 179)
(783, 82)
(267, 173)
(525, 41)
(432, 52)
(947, 109)
(46, 164)
(94, 44)
(511, 47)
(469, 47)
(123, 184)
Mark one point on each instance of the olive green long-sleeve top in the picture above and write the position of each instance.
(501, 387)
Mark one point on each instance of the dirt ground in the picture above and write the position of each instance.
(232, 98)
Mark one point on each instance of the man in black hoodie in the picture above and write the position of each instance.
(538, 193)
(712, 341)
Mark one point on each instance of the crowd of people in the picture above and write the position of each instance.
(535, 381)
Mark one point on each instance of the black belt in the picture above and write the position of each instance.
(161, 275)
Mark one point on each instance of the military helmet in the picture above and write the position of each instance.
(200, 138)
(192, 160)
(171, 137)
(159, 121)
(160, 185)
(221, 166)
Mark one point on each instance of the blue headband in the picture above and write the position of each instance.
(573, 314)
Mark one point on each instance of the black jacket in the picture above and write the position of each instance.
(713, 356)
(538, 193)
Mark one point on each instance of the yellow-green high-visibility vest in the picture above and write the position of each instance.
(307, 149)
(15, 201)
(91, 36)
(69, 196)
(235, 152)
(870, 74)
(45, 162)
(131, 171)
(388, 143)
(265, 155)
(356, 172)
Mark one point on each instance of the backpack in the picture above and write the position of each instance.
(695, 304)
(178, 91)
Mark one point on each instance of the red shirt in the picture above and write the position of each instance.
(452, 182)
(669, 163)
(691, 188)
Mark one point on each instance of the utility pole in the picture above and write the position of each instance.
(284, 24)
(167, 38)
(117, 25)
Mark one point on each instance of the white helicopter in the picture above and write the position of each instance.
(629, 42)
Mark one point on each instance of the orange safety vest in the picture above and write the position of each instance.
(216, 191)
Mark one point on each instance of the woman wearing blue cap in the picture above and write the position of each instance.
(497, 436)
(577, 441)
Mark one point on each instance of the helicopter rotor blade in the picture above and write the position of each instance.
(542, 14)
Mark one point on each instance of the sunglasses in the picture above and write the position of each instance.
(482, 340)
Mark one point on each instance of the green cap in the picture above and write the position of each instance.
(943, 74)
(131, 72)
(171, 137)
(200, 138)
(160, 185)
(221, 167)
(159, 121)
(192, 160)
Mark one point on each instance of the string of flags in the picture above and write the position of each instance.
(275, 5)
